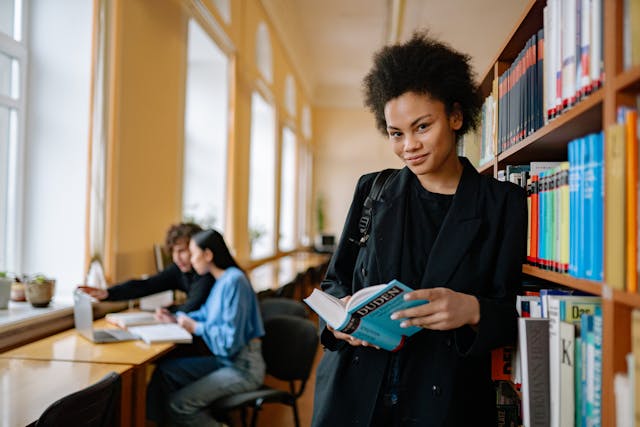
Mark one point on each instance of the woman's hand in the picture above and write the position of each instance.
(446, 309)
(163, 315)
(187, 323)
(96, 293)
(348, 338)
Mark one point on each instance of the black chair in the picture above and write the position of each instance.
(93, 406)
(271, 307)
(289, 348)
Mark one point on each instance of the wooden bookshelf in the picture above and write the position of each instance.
(591, 114)
(588, 286)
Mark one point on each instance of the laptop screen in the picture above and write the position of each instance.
(83, 313)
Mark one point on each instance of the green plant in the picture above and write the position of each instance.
(320, 213)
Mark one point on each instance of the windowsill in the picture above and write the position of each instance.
(21, 323)
(22, 314)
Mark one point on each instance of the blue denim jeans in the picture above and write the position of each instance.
(181, 389)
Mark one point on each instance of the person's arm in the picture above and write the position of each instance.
(197, 293)
(339, 277)
(167, 279)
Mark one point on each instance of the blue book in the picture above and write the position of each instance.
(586, 374)
(596, 415)
(581, 221)
(597, 215)
(573, 195)
(367, 314)
(588, 182)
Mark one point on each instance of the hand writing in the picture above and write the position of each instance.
(164, 315)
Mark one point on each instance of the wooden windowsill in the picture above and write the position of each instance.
(21, 323)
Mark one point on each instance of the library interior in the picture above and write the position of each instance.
(193, 186)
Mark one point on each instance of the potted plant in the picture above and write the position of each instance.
(39, 290)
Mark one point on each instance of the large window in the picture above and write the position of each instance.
(287, 239)
(44, 122)
(13, 58)
(262, 178)
(206, 131)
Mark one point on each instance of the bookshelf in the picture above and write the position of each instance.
(594, 113)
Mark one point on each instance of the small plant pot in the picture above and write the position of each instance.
(17, 292)
(39, 292)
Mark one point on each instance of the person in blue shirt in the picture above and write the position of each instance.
(229, 322)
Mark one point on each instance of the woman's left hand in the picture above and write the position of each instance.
(446, 309)
(188, 323)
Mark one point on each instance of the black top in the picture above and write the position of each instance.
(425, 212)
(424, 216)
(196, 287)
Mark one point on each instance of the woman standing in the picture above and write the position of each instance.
(455, 236)
(229, 322)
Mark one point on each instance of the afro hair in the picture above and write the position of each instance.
(426, 66)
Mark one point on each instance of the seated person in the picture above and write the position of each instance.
(178, 275)
(229, 322)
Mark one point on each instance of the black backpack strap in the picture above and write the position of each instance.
(379, 183)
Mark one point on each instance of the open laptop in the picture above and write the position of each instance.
(83, 317)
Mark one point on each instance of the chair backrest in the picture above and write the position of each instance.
(289, 347)
(95, 405)
(271, 307)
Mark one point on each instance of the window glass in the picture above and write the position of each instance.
(262, 178)
(54, 151)
(290, 95)
(11, 18)
(304, 189)
(287, 239)
(263, 52)
(5, 114)
(9, 76)
(206, 131)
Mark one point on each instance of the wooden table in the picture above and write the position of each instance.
(274, 274)
(70, 346)
(28, 387)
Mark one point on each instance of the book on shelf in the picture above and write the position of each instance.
(125, 320)
(366, 315)
(533, 336)
(615, 206)
(162, 333)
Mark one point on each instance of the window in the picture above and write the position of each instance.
(304, 190)
(264, 61)
(262, 178)
(290, 95)
(13, 59)
(206, 131)
(287, 239)
(44, 153)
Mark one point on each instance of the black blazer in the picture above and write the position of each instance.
(479, 250)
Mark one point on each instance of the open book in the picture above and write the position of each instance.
(366, 315)
(162, 332)
(124, 320)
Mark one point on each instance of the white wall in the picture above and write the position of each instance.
(348, 145)
(57, 139)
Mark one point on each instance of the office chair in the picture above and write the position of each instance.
(271, 307)
(93, 406)
(289, 348)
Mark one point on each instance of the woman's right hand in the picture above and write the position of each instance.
(165, 316)
(96, 293)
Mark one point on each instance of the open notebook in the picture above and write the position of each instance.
(162, 332)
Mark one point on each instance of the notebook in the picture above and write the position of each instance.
(125, 320)
(163, 332)
(83, 318)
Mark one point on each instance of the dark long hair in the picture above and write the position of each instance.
(212, 240)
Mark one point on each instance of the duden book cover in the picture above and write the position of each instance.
(367, 314)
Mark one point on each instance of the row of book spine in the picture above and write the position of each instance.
(558, 66)
(557, 363)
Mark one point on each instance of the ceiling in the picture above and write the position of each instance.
(331, 42)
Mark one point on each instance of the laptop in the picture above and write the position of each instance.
(83, 317)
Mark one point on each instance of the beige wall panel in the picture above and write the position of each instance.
(149, 135)
(347, 146)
